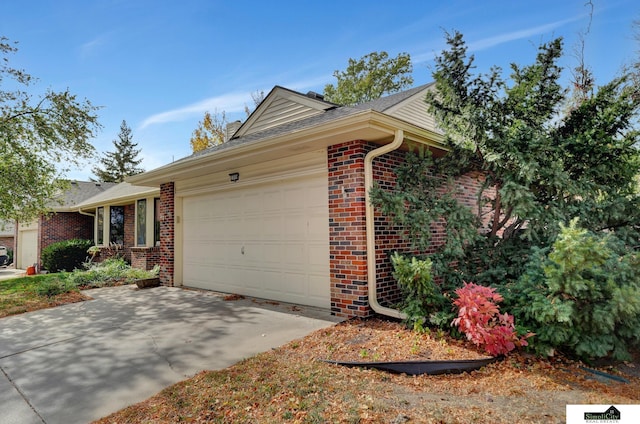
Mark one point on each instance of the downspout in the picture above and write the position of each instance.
(370, 227)
(86, 213)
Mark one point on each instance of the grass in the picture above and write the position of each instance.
(24, 294)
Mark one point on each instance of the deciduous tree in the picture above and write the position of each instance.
(369, 78)
(41, 138)
(210, 131)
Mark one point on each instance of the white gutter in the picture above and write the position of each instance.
(86, 213)
(371, 238)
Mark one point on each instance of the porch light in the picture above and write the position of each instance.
(234, 176)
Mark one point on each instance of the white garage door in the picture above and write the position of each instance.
(269, 241)
(28, 247)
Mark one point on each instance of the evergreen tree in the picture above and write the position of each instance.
(544, 163)
(121, 163)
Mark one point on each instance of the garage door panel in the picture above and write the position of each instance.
(271, 201)
(296, 227)
(316, 285)
(295, 256)
(282, 228)
(316, 226)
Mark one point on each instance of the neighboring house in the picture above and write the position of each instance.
(7, 234)
(125, 222)
(279, 211)
(63, 223)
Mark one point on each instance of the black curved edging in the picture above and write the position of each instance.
(422, 367)
(605, 375)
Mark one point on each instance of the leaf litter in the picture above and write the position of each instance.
(293, 384)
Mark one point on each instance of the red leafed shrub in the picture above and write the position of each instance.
(480, 320)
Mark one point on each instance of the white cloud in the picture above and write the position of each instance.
(230, 103)
(90, 47)
(517, 35)
(496, 40)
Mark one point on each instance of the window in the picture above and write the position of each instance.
(156, 221)
(100, 225)
(116, 229)
(141, 222)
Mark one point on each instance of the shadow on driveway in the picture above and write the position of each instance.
(80, 362)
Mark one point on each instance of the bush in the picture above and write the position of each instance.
(480, 320)
(65, 255)
(581, 297)
(111, 272)
(423, 300)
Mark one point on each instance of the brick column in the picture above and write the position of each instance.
(347, 236)
(167, 239)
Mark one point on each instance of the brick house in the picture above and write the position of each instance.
(124, 221)
(279, 211)
(63, 223)
(7, 234)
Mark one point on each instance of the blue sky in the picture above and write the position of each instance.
(161, 64)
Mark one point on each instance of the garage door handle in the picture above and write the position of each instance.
(242, 250)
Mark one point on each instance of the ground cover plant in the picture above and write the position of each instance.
(30, 293)
(111, 272)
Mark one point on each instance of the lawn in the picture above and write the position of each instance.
(292, 384)
(24, 294)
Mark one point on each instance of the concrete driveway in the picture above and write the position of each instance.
(80, 362)
(10, 272)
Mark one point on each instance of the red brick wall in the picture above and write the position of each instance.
(129, 230)
(347, 237)
(63, 226)
(388, 237)
(167, 251)
(347, 232)
(145, 257)
(7, 242)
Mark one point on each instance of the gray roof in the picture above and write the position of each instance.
(334, 113)
(121, 192)
(290, 127)
(78, 193)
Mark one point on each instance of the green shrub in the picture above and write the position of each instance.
(65, 255)
(423, 301)
(583, 297)
(111, 272)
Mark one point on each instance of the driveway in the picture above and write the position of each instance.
(7, 273)
(80, 362)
